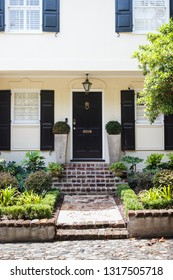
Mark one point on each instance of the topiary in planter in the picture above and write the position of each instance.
(61, 128)
(113, 127)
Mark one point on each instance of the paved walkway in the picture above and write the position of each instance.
(122, 249)
(89, 208)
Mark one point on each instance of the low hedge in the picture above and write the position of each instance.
(32, 211)
(129, 198)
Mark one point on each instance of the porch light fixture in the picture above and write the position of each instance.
(87, 84)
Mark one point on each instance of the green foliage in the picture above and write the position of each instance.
(129, 198)
(8, 196)
(163, 178)
(39, 182)
(121, 188)
(133, 161)
(117, 166)
(153, 161)
(61, 128)
(6, 180)
(157, 198)
(33, 162)
(41, 210)
(28, 198)
(55, 168)
(144, 180)
(156, 61)
(113, 127)
(29, 211)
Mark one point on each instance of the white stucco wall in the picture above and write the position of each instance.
(87, 41)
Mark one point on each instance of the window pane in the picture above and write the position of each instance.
(33, 20)
(26, 107)
(32, 2)
(16, 20)
(16, 2)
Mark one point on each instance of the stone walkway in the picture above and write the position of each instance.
(90, 217)
(122, 249)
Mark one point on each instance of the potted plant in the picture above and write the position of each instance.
(113, 129)
(61, 130)
(118, 168)
(55, 168)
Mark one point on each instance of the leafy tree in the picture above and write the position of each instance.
(156, 61)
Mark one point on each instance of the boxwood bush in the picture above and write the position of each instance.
(44, 209)
(129, 198)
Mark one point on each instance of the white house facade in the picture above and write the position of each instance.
(46, 49)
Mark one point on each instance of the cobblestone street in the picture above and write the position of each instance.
(124, 249)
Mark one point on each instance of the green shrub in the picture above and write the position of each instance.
(6, 180)
(129, 198)
(39, 182)
(55, 168)
(113, 127)
(44, 209)
(61, 127)
(29, 211)
(153, 161)
(121, 188)
(33, 162)
(8, 196)
(28, 198)
(132, 161)
(157, 198)
(144, 180)
(117, 166)
(163, 178)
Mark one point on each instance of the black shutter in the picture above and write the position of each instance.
(2, 15)
(171, 9)
(123, 15)
(128, 120)
(168, 129)
(51, 15)
(5, 97)
(47, 120)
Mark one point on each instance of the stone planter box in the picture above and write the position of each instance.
(150, 223)
(27, 230)
(114, 146)
(61, 147)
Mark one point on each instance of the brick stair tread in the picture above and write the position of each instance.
(83, 234)
(90, 225)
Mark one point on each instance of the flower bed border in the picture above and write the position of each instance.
(27, 230)
(150, 223)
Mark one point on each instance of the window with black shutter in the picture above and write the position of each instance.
(128, 120)
(47, 120)
(123, 15)
(5, 120)
(51, 15)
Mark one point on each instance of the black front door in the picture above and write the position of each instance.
(87, 125)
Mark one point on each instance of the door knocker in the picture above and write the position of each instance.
(87, 105)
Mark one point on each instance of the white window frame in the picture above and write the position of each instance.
(23, 8)
(152, 7)
(144, 120)
(25, 122)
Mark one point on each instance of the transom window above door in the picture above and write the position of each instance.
(24, 15)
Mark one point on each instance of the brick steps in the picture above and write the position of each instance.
(83, 178)
(89, 234)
